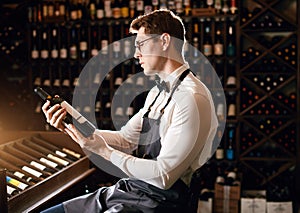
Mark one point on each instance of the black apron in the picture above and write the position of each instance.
(133, 195)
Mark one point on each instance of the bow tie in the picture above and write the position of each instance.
(162, 85)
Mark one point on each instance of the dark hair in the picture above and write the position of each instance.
(159, 22)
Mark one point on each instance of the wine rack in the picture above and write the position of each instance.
(269, 89)
(39, 166)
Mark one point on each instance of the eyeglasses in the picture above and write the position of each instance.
(139, 44)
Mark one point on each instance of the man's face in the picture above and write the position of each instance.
(148, 51)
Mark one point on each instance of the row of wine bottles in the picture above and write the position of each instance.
(269, 20)
(30, 161)
(286, 138)
(249, 97)
(287, 54)
(82, 42)
(49, 10)
(78, 42)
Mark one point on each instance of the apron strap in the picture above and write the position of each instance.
(182, 76)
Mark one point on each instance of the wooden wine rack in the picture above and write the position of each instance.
(16, 147)
(269, 134)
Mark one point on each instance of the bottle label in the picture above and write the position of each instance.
(38, 165)
(54, 54)
(94, 52)
(104, 46)
(44, 54)
(19, 174)
(218, 49)
(207, 49)
(231, 110)
(83, 46)
(219, 154)
(48, 162)
(127, 48)
(61, 154)
(73, 52)
(125, 12)
(231, 80)
(34, 54)
(70, 152)
(63, 53)
(100, 14)
(16, 183)
(10, 190)
(229, 154)
(117, 46)
(59, 160)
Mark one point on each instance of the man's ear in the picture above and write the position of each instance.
(166, 38)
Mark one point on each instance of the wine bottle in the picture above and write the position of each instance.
(140, 7)
(83, 44)
(132, 8)
(107, 9)
(231, 77)
(34, 45)
(220, 150)
(207, 44)
(219, 45)
(229, 150)
(94, 42)
(231, 98)
(99, 9)
(54, 44)
(116, 41)
(73, 50)
(230, 42)
(116, 9)
(218, 6)
(44, 46)
(73, 10)
(104, 40)
(82, 124)
(19, 184)
(11, 191)
(63, 52)
(148, 6)
(124, 9)
(92, 10)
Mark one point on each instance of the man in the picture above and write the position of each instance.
(162, 145)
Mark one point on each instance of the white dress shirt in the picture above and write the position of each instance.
(187, 130)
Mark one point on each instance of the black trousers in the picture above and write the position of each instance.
(130, 196)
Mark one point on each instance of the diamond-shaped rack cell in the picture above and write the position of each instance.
(267, 125)
(269, 107)
(287, 95)
(249, 139)
(270, 22)
(287, 51)
(287, 139)
(287, 10)
(268, 169)
(249, 95)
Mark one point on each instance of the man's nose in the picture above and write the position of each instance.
(137, 53)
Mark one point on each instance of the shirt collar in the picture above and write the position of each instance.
(172, 78)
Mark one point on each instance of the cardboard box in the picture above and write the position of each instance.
(250, 205)
(279, 207)
(205, 206)
(226, 206)
(227, 192)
